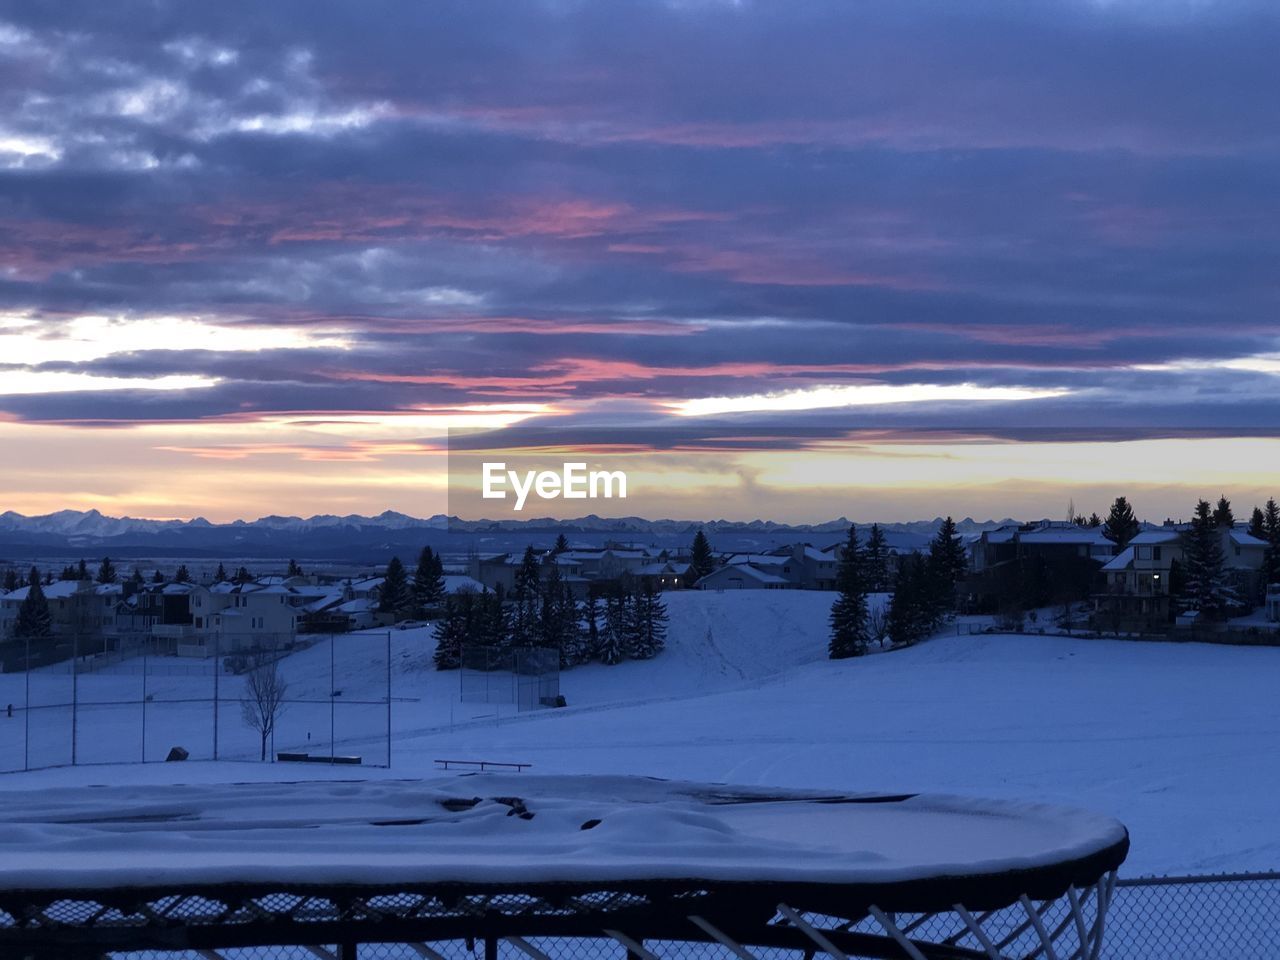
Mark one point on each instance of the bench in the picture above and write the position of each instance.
(484, 764)
(315, 758)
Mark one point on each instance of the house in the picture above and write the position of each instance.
(744, 575)
(1272, 602)
(69, 612)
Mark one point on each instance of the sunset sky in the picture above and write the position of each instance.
(919, 257)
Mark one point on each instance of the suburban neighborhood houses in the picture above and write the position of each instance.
(1117, 576)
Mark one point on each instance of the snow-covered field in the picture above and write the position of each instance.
(1180, 742)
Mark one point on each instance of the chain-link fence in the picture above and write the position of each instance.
(528, 677)
(1225, 917)
(123, 700)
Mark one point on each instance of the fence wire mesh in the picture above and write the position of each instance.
(1225, 917)
(108, 700)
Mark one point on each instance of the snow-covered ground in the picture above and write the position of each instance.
(1179, 741)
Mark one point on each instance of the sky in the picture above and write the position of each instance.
(928, 257)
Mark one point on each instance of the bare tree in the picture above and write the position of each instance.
(265, 689)
(878, 623)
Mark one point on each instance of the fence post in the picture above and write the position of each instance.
(217, 671)
(75, 692)
(333, 706)
(389, 702)
(144, 703)
(26, 713)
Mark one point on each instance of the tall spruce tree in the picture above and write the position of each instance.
(157, 577)
(649, 624)
(948, 565)
(1222, 515)
(1094, 521)
(34, 621)
(294, 570)
(106, 571)
(1271, 529)
(876, 561)
(912, 608)
(453, 630)
(526, 597)
(221, 574)
(701, 560)
(1121, 526)
(393, 597)
(10, 580)
(1206, 589)
(183, 575)
(1258, 524)
(611, 648)
(591, 624)
(68, 573)
(428, 582)
(849, 618)
(82, 570)
(561, 546)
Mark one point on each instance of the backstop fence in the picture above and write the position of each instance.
(1220, 917)
(528, 677)
(90, 699)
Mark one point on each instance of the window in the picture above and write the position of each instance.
(1142, 553)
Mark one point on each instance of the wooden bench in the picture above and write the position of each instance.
(316, 758)
(484, 764)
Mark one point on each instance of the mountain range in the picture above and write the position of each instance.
(354, 537)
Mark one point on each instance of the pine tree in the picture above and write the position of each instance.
(1094, 521)
(1222, 515)
(136, 577)
(106, 571)
(491, 629)
(294, 569)
(393, 597)
(221, 574)
(428, 582)
(849, 631)
(575, 649)
(157, 577)
(1258, 524)
(876, 561)
(34, 621)
(551, 624)
(82, 570)
(948, 565)
(453, 630)
(183, 575)
(561, 546)
(243, 576)
(1206, 588)
(1121, 526)
(591, 621)
(68, 573)
(912, 609)
(525, 605)
(701, 559)
(649, 625)
(612, 641)
(1271, 531)
(10, 580)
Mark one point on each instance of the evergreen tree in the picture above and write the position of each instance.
(701, 559)
(82, 570)
(849, 630)
(10, 580)
(591, 621)
(1121, 526)
(183, 575)
(221, 574)
(525, 623)
(613, 638)
(912, 609)
(428, 582)
(551, 621)
(948, 565)
(68, 573)
(294, 569)
(575, 649)
(34, 621)
(876, 562)
(1258, 524)
(1206, 588)
(106, 571)
(1094, 521)
(649, 625)
(393, 597)
(157, 577)
(1271, 531)
(1222, 515)
(491, 621)
(453, 630)
(136, 577)
(243, 576)
(561, 546)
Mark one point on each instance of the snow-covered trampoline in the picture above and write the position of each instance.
(519, 862)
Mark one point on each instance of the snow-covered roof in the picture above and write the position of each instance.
(459, 584)
(1156, 537)
(458, 830)
(1242, 538)
(745, 568)
(58, 590)
(1120, 561)
(1089, 535)
(759, 559)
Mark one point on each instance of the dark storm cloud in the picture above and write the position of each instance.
(650, 200)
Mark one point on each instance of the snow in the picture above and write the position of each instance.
(403, 832)
(1178, 741)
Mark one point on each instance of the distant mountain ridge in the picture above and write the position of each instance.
(71, 532)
